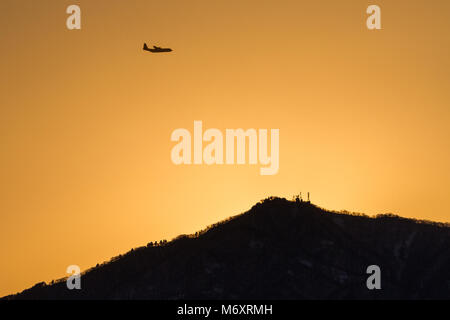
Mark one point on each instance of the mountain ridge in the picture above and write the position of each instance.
(279, 249)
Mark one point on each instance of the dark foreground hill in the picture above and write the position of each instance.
(277, 250)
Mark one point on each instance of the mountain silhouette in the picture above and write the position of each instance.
(279, 249)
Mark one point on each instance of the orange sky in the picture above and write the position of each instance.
(86, 118)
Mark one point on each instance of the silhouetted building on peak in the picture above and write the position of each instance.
(299, 199)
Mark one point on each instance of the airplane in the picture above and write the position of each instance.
(156, 49)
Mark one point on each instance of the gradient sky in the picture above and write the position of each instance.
(86, 118)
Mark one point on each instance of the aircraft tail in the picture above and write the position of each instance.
(145, 46)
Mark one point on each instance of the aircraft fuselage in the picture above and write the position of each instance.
(160, 50)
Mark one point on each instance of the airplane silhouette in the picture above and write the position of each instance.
(156, 49)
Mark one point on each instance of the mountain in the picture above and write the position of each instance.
(279, 249)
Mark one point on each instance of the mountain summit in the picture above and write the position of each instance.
(279, 249)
